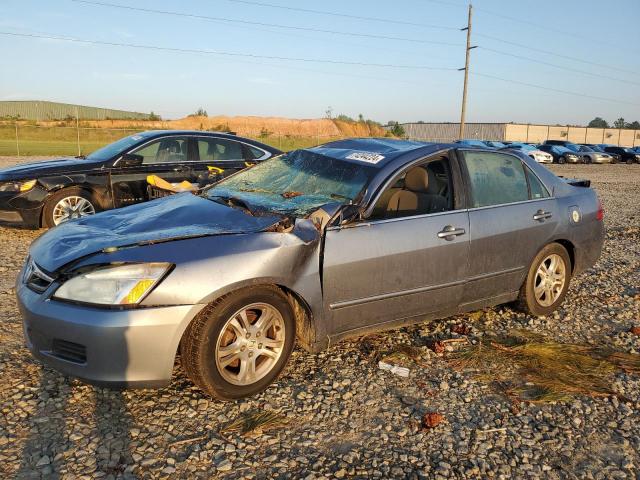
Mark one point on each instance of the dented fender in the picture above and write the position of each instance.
(97, 183)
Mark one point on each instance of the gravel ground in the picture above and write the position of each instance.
(348, 418)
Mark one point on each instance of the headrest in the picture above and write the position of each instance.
(172, 146)
(417, 180)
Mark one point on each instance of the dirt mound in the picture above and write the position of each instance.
(253, 126)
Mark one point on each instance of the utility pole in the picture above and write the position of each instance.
(466, 72)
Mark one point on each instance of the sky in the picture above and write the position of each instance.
(583, 52)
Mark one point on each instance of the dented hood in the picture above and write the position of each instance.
(171, 218)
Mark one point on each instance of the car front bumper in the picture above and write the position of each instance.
(16, 208)
(133, 348)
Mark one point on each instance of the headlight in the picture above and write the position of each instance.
(19, 186)
(120, 285)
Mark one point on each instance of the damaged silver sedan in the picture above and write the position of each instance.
(314, 246)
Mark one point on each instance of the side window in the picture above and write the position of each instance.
(496, 178)
(421, 190)
(173, 149)
(216, 149)
(536, 187)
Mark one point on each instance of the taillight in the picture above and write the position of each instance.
(600, 214)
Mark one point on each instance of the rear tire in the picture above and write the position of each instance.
(74, 202)
(562, 160)
(547, 281)
(226, 352)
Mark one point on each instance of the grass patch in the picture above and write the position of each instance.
(255, 422)
(529, 367)
(63, 140)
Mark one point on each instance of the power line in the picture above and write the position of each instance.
(361, 35)
(540, 26)
(551, 89)
(555, 65)
(299, 59)
(262, 24)
(225, 53)
(343, 15)
(555, 54)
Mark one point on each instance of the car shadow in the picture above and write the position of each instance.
(76, 430)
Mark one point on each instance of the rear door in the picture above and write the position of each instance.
(214, 158)
(166, 158)
(511, 217)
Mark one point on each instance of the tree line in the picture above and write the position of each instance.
(600, 122)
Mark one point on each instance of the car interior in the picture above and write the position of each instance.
(221, 150)
(172, 150)
(422, 189)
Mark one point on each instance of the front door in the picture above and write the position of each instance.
(393, 269)
(166, 157)
(409, 258)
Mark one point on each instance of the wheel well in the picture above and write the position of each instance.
(303, 316)
(570, 250)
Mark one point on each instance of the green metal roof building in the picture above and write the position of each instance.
(42, 111)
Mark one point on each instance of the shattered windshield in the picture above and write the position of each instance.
(295, 184)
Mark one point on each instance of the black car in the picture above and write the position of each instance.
(562, 143)
(51, 192)
(560, 153)
(626, 154)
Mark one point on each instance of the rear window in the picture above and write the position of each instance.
(219, 149)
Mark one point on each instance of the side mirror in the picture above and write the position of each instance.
(130, 160)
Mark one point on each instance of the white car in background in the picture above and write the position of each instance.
(538, 155)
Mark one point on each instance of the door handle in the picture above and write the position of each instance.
(180, 169)
(541, 215)
(450, 232)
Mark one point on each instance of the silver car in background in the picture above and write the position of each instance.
(591, 155)
(315, 246)
(535, 153)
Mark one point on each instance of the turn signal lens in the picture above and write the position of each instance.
(26, 186)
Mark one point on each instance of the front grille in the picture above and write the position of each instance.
(72, 352)
(35, 278)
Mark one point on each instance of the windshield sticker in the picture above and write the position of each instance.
(366, 157)
(137, 137)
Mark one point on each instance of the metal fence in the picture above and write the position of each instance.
(448, 132)
(19, 139)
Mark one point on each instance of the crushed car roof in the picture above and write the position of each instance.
(372, 151)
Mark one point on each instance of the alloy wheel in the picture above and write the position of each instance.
(549, 280)
(250, 344)
(71, 207)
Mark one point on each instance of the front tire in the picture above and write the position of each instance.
(67, 204)
(562, 160)
(547, 281)
(237, 346)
